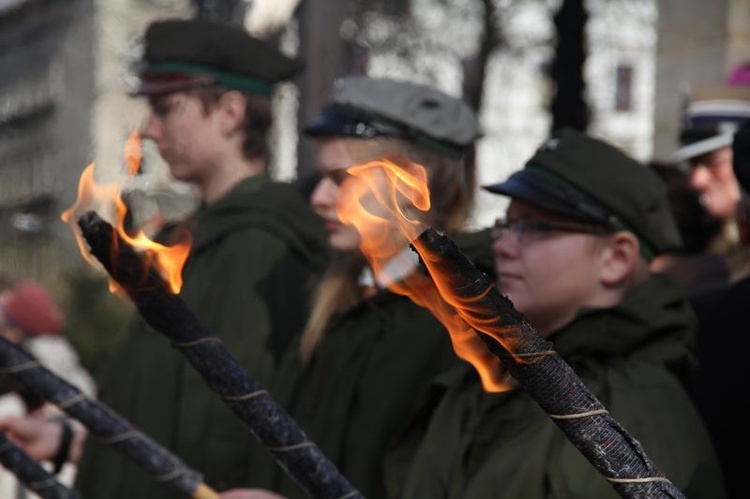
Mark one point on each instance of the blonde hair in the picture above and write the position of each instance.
(339, 288)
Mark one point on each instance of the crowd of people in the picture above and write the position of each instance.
(596, 250)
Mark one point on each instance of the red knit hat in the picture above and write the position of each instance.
(30, 308)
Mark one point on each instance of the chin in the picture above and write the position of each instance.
(722, 213)
(518, 301)
(343, 244)
(180, 175)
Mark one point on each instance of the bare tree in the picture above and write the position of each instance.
(475, 73)
(569, 107)
(475, 67)
(323, 50)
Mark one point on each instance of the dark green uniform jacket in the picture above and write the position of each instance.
(254, 258)
(632, 356)
(364, 383)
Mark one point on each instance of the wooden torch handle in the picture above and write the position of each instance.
(203, 491)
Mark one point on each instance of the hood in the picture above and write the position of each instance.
(654, 321)
(260, 203)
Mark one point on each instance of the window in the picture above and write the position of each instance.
(624, 88)
(394, 7)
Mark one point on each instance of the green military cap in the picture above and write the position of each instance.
(181, 53)
(587, 179)
(377, 107)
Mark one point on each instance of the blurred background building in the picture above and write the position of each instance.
(46, 102)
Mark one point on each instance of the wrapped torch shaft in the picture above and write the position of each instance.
(243, 394)
(102, 422)
(544, 374)
(33, 476)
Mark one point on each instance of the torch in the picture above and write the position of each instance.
(102, 422)
(544, 375)
(380, 202)
(167, 313)
(30, 473)
(151, 275)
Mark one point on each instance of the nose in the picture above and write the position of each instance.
(699, 177)
(506, 244)
(150, 129)
(324, 196)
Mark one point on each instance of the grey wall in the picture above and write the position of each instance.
(692, 49)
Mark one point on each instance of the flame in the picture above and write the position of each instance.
(377, 206)
(168, 260)
(133, 153)
(385, 200)
(87, 192)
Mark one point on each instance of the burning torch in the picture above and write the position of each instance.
(382, 197)
(150, 275)
(167, 313)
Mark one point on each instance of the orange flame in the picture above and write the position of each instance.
(378, 205)
(385, 200)
(168, 260)
(133, 153)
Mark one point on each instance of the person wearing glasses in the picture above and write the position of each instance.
(572, 254)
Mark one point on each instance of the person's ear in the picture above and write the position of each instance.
(620, 258)
(232, 108)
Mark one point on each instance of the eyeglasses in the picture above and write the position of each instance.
(530, 230)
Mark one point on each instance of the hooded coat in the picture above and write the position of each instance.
(253, 260)
(634, 357)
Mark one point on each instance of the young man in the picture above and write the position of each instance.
(256, 247)
(572, 255)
